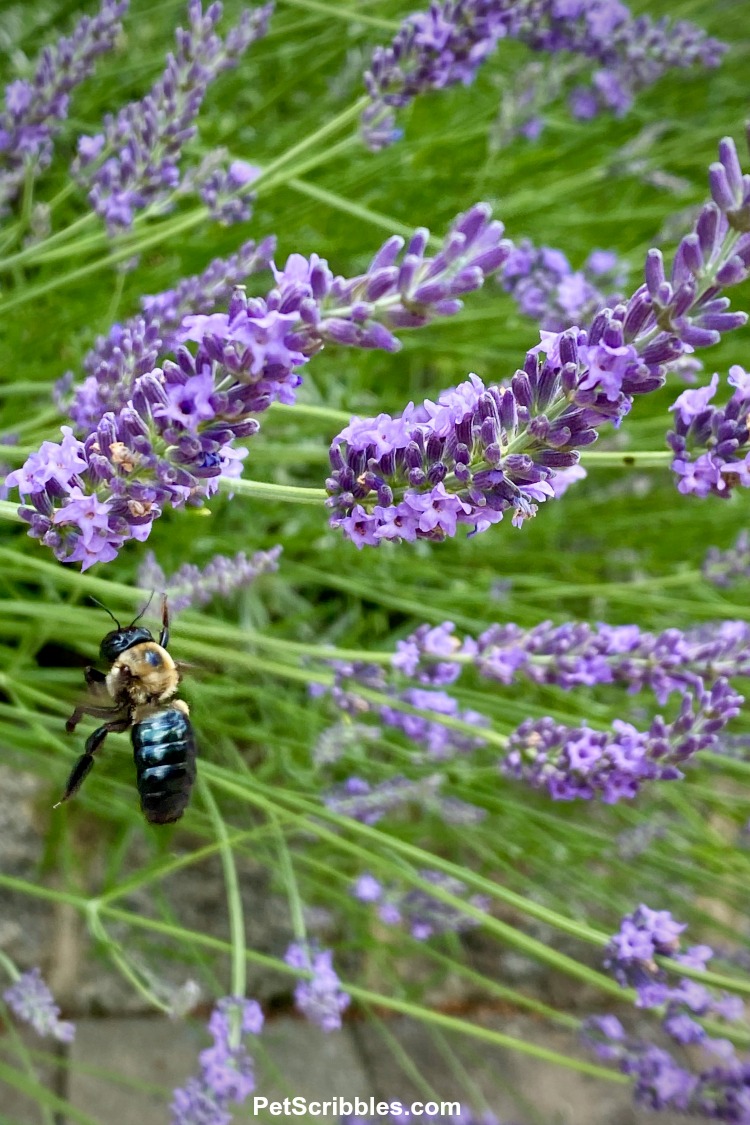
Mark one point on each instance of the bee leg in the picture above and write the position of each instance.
(164, 636)
(82, 767)
(86, 709)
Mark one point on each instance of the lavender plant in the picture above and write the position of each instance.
(431, 777)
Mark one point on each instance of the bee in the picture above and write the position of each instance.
(139, 691)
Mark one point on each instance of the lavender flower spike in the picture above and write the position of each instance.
(320, 998)
(135, 161)
(580, 763)
(716, 1088)
(35, 107)
(480, 451)
(447, 44)
(192, 586)
(32, 1002)
(721, 434)
(226, 1073)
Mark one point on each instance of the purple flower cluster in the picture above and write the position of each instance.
(368, 804)
(723, 433)
(31, 1000)
(577, 654)
(194, 586)
(132, 349)
(480, 451)
(546, 288)
(723, 568)
(439, 741)
(226, 1067)
(720, 1091)
(447, 44)
(574, 763)
(320, 998)
(421, 912)
(163, 436)
(135, 161)
(35, 107)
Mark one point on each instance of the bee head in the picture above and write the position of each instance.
(120, 640)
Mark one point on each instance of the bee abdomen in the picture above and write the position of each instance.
(164, 753)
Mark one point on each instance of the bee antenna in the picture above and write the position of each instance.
(109, 611)
(140, 615)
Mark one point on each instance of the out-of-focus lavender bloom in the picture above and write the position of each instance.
(580, 763)
(446, 45)
(134, 162)
(35, 107)
(227, 191)
(439, 741)
(481, 451)
(31, 1000)
(723, 568)
(716, 1091)
(420, 911)
(721, 433)
(576, 654)
(546, 287)
(368, 803)
(226, 1067)
(337, 740)
(132, 349)
(194, 586)
(320, 998)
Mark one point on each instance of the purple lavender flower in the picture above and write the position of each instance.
(320, 997)
(446, 45)
(134, 162)
(717, 1091)
(546, 288)
(721, 433)
(226, 1067)
(35, 107)
(222, 575)
(421, 912)
(724, 568)
(480, 451)
(581, 763)
(32, 1002)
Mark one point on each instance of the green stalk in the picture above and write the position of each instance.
(234, 901)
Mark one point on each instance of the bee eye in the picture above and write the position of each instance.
(153, 658)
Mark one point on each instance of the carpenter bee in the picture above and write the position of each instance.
(141, 684)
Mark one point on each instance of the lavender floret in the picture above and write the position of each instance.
(421, 912)
(320, 998)
(32, 1002)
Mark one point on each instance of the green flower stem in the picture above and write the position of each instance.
(635, 459)
(267, 490)
(9, 966)
(181, 226)
(290, 883)
(32, 253)
(350, 15)
(308, 410)
(9, 511)
(24, 1056)
(43, 1097)
(334, 152)
(121, 962)
(234, 907)
(355, 210)
(346, 117)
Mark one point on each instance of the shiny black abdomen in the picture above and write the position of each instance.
(164, 753)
